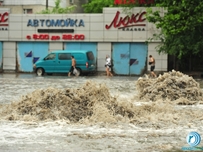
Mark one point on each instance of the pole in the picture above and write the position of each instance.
(46, 4)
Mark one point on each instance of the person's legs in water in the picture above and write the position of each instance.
(152, 71)
(109, 72)
(71, 70)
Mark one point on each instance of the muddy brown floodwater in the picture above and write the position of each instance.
(99, 114)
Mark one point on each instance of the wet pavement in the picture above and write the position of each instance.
(61, 136)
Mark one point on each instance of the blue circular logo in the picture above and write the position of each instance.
(193, 139)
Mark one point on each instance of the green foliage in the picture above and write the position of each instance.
(58, 10)
(96, 6)
(181, 26)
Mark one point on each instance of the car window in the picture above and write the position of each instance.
(50, 57)
(90, 56)
(79, 56)
(64, 56)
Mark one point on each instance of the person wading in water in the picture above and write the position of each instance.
(73, 64)
(108, 66)
(152, 65)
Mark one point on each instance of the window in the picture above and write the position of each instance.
(50, 57)
(64, 56)
(79, 56)
(90, 56)
(27, 11)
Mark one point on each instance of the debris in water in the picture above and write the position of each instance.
(92, 104)
(91, 101)
(172, 86)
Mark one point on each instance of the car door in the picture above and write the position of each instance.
(80, 60)
(50, 63)
(63, 63)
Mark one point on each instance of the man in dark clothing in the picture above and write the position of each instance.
(152, 65)
(73, 64)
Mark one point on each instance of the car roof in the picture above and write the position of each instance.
(70, 51)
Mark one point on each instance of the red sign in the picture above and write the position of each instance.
(3, 19)
(56, 37)
(120, 2)
(127, 21)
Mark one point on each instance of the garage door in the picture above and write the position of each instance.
(29, 52)
(121, 54)
(138, 57)
(129, 58)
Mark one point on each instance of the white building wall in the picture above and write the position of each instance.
(96, 25)
(55, 46)
(103, 50)
(9, 55)
(94, 31)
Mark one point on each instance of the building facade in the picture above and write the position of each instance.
(25, 38)
(29, 6)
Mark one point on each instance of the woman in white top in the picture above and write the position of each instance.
(108, 66)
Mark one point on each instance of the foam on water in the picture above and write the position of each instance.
(99, 116)
(59, 136)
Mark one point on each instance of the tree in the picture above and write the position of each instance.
(58, 10)
(96, 6)
(181, 27)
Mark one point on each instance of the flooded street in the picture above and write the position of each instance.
(62, 135)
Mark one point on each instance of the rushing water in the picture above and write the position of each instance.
(60, 135)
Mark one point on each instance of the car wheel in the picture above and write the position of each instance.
(40, 71)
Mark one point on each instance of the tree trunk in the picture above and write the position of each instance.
(174, 62)
(190, 63)
(47, 4)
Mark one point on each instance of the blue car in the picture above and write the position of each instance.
(60, 62)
